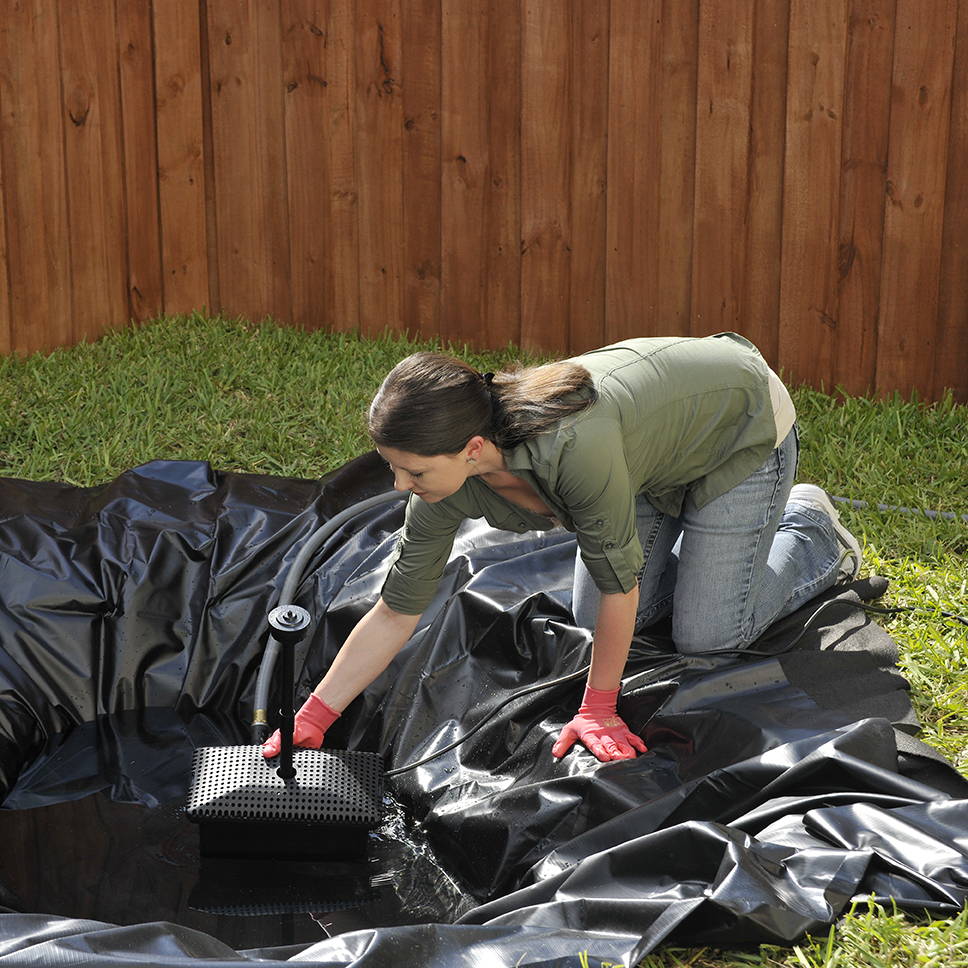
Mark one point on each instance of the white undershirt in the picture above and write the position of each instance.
(784, 413)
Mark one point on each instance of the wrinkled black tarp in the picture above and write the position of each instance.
(778, 786)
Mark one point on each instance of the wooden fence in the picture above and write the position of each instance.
(558, 173)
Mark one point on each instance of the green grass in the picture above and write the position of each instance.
(869, 936)
(274, 400)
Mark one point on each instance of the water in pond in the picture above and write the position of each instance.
(74, 847)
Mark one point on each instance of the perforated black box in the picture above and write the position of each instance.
(244, 809)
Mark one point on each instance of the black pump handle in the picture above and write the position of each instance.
(288, 624)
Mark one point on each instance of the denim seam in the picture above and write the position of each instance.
(748, 624)
(658, 606)
(642, 617)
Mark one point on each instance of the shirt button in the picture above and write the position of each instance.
(599, 522)
(609, 544)
(521, 524)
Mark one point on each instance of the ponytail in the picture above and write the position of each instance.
(530, 400)
(430, 403)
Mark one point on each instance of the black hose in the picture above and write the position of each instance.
(260, 720)
(879, 609)
(933, 515)
(537, 687)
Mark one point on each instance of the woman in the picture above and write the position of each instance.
(672, 459)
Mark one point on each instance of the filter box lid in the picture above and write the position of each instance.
(232, 783)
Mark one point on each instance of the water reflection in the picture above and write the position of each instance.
(95, 829)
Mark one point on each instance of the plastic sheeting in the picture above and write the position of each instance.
(778, 786)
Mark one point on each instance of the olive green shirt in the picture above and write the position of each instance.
(673, 416)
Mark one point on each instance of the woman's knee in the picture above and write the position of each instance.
(696, 634)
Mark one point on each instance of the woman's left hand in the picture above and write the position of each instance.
(600, 728)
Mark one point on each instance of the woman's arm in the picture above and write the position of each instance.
(597, 723)
(613, 637)
(367, 651)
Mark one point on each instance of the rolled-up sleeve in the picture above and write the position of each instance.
(593, 482)
(418, 560)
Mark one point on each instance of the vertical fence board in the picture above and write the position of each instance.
(502, 320)
(142, 219)
(916, 173)
(723, 123)
(210, 186)
(239, 194)
(633, 187)
(34, 194)
(760, 295)
(270, 134)
(6, 333)
(421, 166)
(305, 40)
(808, 277)
(247, 132)
(502, 185)
(341, 145)
(865, 120)
(589, 138)
(651, 156)
(181, 158)
(343, 234)
(676, 103)
(480, 172)
(546, 140)
(379, 133)
(92, 143)
(464, 168)
(316, 82)
(951, 367)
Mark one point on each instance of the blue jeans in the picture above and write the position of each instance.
(727, 570)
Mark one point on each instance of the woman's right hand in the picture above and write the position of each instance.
(367, 651)
(309, 728)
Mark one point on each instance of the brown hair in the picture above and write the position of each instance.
(430, 403)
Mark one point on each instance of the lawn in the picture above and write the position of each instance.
(273, 400)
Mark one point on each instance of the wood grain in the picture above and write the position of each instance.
(34, 195)
(481, 172)
(589, 176)
(181, 142)
(379, 163)
(317, 58)
(907, 344)
(142, 228)
(422, 213)
(546, 172)
(553, 173)
(866, 126)
(811, 189)
(723, 189)
(251, 210)
(91, 124)
(951, 366)
(651, 168)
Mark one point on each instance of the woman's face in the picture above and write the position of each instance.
(430, 478)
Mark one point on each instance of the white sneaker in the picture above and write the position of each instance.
(816, 497)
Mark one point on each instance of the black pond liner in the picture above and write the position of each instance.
(777, 787)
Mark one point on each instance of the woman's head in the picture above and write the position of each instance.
(430, 404)
(434, 406)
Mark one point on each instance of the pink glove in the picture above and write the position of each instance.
(310, 725)
(600, 728)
